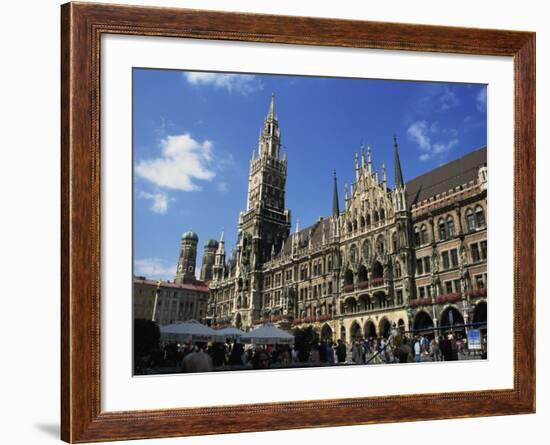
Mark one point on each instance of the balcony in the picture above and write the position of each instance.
(448, 298)
(420, 302)
(478, 293)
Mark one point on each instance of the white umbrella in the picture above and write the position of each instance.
(190, 330)
(230, 332)
(268, 335)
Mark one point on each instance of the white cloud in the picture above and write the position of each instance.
(159, 200)
(234, 83)
(421, 133)
(154, 268)
(448, 99)
(444, 147)
(481, 100)
(182, 162)
(222, 187)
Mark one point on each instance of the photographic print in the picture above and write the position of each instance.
(286, 222)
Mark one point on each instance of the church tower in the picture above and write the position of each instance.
(208, 257)
(266, 222)
(185, 272)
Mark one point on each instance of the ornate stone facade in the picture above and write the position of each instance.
(412, 256)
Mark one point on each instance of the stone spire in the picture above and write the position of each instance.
(398, 173)
(369, 160)
(271, 113)
(346, 194)
(335, 204)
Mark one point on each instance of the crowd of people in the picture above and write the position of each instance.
(233, 355)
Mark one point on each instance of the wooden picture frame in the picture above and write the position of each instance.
(82, 26)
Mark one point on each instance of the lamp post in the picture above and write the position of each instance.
(157, 291)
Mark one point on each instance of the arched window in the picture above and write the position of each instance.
(382, 215)
(451, 227)
(350, 227)
(354, 224)
(368, 220)
(470, 220)
(442, 230)
(423, 234)
(375, 217)
(366, 251)
(480, 216)
(394, 241)
(362, 222)
(353, 253)
(380, 248)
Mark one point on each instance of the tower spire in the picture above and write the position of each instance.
(335, 204)
(271, 113)
(398, 173)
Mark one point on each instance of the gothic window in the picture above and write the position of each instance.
(375, 217)
(366, 251)
(348, 277)
(353, 253)
(394, 241)
(483, 245)
(470, 220)
(423, 234)
(350, 227)
(362, 222)
(354, 224)
(454, 258)
(445, 257)
(382, 215)
(442, 230)
(451, 227)
(362, 274)
(427, 264)
(329, 263)
(480, 217)
(417, 237)
(380, 248)
(419, 268)
(368, 220)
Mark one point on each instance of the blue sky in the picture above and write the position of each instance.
(194, 134)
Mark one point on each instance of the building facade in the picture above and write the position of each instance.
(186, 298)
(166, 302)
(413, 256)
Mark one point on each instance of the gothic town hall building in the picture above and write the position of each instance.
(412, 257)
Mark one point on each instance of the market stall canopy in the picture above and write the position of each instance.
(230, 332)
(268, 335)
(190, 330)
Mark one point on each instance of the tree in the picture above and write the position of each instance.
(304, 341)
(146, 339)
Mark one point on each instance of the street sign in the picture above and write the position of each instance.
(474, 339)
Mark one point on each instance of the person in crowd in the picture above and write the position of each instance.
(261, 360)
(314, 355)
(435, 352)
(329, 352)
(341, 352)
(357, 353)
(417, 351)
(235, 358)
(197, 361)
